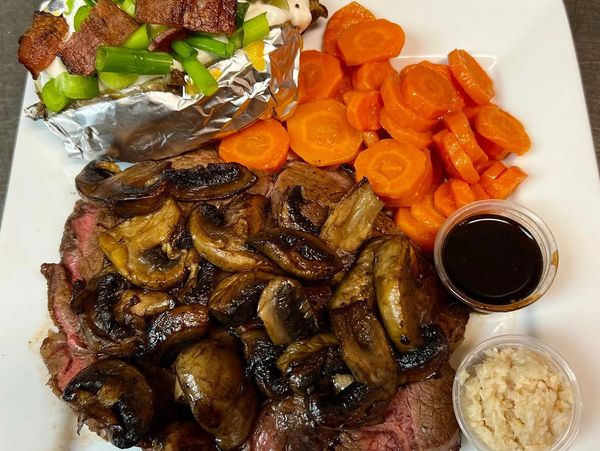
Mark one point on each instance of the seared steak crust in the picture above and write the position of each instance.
(42, 41)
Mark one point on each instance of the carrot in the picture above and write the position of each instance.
(491, 173)
(398, 109)
(443, 200)
(491, 149)
(370, 138)
(320, 76)
(344, 86)
(504, 185)
(371, 75)
(502, 129)
(425, 212)
(461, 192)
(394, 169)
(456, 160)
(471, 111)
(321, 135)
(414, 229)
(471, 76)
(459, 97)
(378, 40)
(403, 134)
(347, 96)
(264, 145)
(458, 124)
(426, 91)
(417, 194)
(344, 18)
(480, 193)
(439, 174)
(363, 110)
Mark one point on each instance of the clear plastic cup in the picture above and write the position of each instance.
(526, 218)
(556, 360)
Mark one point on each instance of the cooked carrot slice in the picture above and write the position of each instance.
(320, 76)
(459, 97)
(343, 18)
(378, 40)
(426, 91)
(371, 75)
(443, 200)
(480, 193)
(370, 138)
(363, 109)
(461, 192)
(502, 129)
(505, 184)
(439, 173)
(347, 96)
(321, 135)
(398, 109)
(264, 145)
(417, 194)
(491, 149)
(454, 157)
(491, 173)
(344, 86)
(425, 212)
(471, 76)
(394, 169)
(414, 229)
(458, 124)
(471, 111)
(403, 134)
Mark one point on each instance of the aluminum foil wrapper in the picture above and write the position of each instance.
(151, 124)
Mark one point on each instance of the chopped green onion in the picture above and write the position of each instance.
(53, 99)
(69, 6)
(236, 42)
(281, 4)
(240, 13)
(202, 78)
(129, 61)
(139, 39)
(81, 14)
(77, 86)
(256, 29)
(155, 30)
(129, 7)
(90, 3)
(184, 50)
(116, 81)
(207, 44)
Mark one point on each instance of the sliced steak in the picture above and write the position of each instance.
(42, 41)
(189, 160)
(209, 16)
(107, 24)
(420, 417)
(79, 248)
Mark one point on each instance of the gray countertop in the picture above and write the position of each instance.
(584, 16)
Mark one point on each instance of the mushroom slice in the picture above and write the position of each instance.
(285, 312)
(114, 399)
(358, 285)
(94, 173)
(317, 10)
(426, 361)
(223, 403)
(210, 182)
(200, 285)
(139, 248)
(298, 253)
(397, 293)
(349, 408)
(146, 303)
(138, 190)
(184, 435)
(219, 245)
(174, 329)
(235, 298)
(352, 218)
(261, 356)
(294, 212)
(301, 349)
(108, 326)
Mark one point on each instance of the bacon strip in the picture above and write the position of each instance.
(209, 16)
(42, 41)
(107, 24)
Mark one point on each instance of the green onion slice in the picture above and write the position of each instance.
(208, 44)
(77, 86)
(139, 39)
(183, 49)
(236, 42)
(129, 7)
(53, 99)
(255, 29)
(81, 14)
(116, 81)
(130, 61)
(201, 77)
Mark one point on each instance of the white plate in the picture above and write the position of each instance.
(536, 78)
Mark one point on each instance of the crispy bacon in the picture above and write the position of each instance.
(209, 16)
(107, 24)
(42, 41)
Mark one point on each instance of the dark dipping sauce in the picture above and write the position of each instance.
(492, 259)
